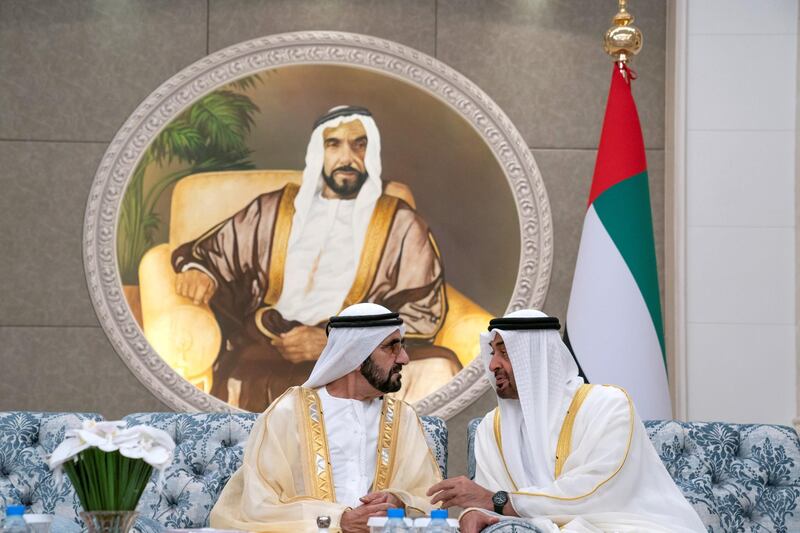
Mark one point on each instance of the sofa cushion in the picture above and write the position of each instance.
(738, 477)
(26, 440)
(208, 449)
(471, 428)
(436, 435)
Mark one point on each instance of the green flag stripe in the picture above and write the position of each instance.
(624, 210)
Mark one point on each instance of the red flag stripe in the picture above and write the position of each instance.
(621, 151)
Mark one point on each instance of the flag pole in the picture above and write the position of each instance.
(623, 40)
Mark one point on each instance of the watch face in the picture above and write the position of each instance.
(500, 498)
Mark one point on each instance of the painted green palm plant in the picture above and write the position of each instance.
(208, 136)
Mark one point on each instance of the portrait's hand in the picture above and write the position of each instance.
(475, 521)
(196, 285)
(462, 492)
(355, 520)
(383, 497)
(303, 343)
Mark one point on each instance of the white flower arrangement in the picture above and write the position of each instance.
(109, 464)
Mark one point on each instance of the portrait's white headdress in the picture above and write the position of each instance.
(312, 174)
(352, 336)
(547, 378)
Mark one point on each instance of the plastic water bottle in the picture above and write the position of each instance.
(438, 523)
(14, 522)
(396, 522)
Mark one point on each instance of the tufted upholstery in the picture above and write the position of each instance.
(471, 428)
(208, 450)
(738, 477)
(26, 439)
(436, 435)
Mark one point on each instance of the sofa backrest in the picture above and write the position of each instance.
(26, 440)
(201, 201)
(208, 450)
(738, 477)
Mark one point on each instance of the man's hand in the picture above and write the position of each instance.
(196, 285)
(303, 343)
(475, 521)
(460, 492)
(383, 497)
(355, 520)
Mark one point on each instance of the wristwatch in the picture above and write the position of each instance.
(499, 499)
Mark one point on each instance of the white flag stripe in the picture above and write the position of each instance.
(610, 327)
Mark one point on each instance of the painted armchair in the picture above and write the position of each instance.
(186, 335)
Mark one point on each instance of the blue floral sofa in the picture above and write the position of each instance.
(738, 477)
(209, 449)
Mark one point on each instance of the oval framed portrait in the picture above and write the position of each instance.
(269, 185)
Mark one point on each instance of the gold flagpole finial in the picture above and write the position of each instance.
(623, 40)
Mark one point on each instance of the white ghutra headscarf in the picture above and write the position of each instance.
(348, 347)
(312, 183)
(547, 378)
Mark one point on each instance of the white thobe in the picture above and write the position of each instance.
(320, 263)
(612, 479)
(352, 430)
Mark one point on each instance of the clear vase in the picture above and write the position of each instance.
(109, 521)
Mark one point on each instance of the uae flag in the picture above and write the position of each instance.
(614, 324)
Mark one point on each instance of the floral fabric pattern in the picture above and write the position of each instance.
(208, 450)
(26, 439)
(738, 477)
(436, 435)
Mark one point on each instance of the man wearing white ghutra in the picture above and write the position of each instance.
(562, 454)
(339, 445)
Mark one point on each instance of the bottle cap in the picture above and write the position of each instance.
(15, 510)
(323, 521)
(439, 513)
(396, 513)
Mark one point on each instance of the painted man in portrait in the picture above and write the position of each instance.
(278, 269)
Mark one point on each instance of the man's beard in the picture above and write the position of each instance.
(509, 390)
(346, 188)
(388, 382)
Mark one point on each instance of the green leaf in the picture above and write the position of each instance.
(179, 140)
(208, 136)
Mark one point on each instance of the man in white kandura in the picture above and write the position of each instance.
(559, 452)
(336, 446)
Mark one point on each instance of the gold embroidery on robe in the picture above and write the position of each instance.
(606, 480)
(387, 429)
(498, 438)
(280, 244)
(564, 446)
(317, 453)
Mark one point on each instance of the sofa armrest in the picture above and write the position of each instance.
(465, 319)
(184, 334)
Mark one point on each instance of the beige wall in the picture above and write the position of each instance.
(72, 71)
(734, 189)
